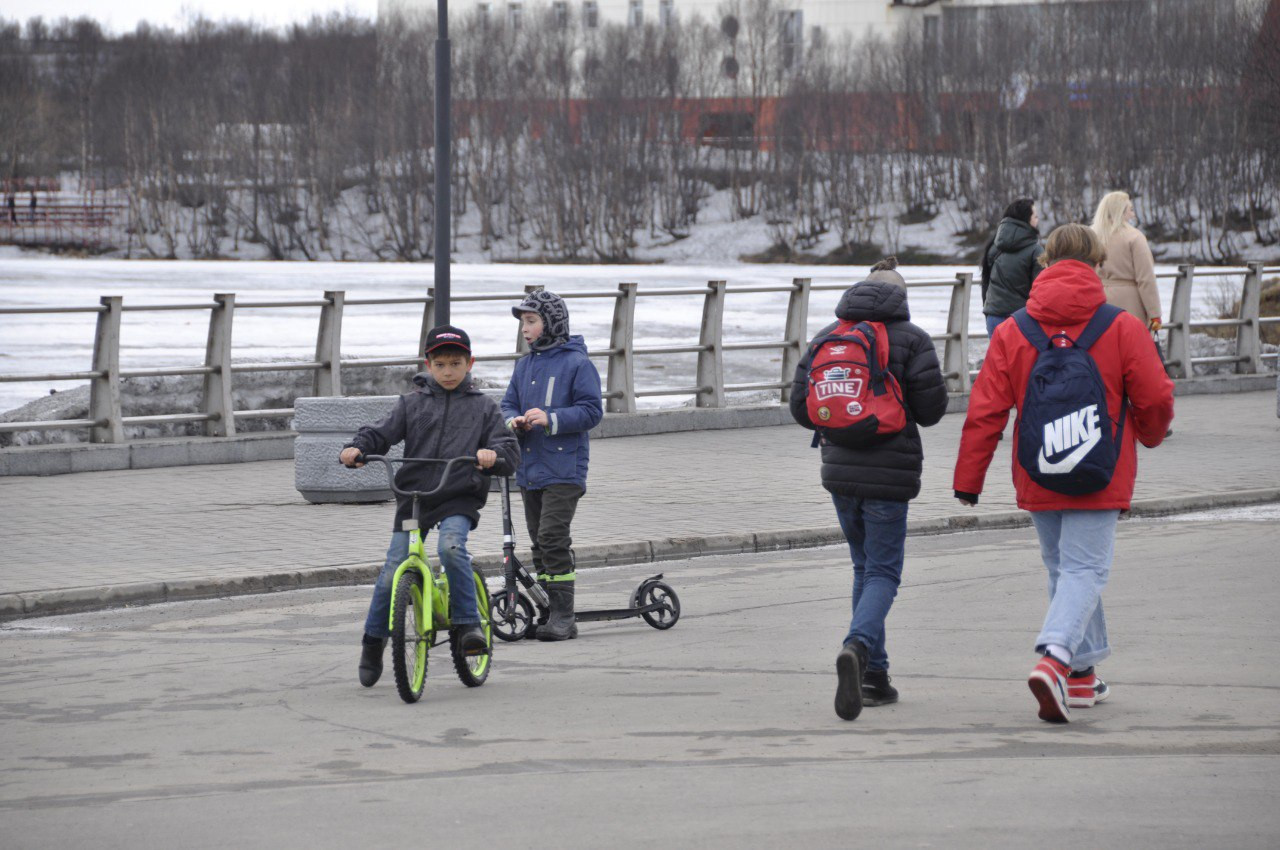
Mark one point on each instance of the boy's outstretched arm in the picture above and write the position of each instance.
(585, 410)
(502, 442)
(510, 404)
(377, 438)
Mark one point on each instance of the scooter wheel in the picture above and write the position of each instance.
(660, 593)
(512, 615)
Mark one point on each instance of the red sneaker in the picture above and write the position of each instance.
(1048, 682)
(1085, 689)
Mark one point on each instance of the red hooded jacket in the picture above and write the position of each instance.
(1063, 299)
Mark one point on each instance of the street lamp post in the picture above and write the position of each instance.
(443, 166)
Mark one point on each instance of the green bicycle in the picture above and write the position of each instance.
(420, 601)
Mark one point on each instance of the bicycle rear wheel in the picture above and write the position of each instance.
(474, 669)
(409, 635)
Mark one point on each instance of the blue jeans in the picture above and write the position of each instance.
(877, 533)
(451, 546)
(993, 322)
(1077, 548)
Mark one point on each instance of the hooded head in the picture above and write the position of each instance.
(555, 318)
(883, 271)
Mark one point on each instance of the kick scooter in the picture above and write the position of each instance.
(513, 612)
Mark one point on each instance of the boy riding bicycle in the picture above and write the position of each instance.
(445, 416)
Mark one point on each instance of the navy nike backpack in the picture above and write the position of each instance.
(1065, 437)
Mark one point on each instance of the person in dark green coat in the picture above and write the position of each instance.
(1009, 262)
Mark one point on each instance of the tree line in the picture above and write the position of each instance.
(573, 143)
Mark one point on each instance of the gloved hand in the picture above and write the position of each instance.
(1155, 324)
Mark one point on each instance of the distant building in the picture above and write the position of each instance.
(835, 18)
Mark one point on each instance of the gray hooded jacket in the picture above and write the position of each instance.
(438, 423)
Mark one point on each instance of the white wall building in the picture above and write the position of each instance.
(836, 17)
(800, 18)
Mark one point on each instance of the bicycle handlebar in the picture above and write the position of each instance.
(389, 463)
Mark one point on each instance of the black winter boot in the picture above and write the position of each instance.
(371, 660)
(560, 625)
(471, 639)
(876, 689)
(541, 621)
(850, 664)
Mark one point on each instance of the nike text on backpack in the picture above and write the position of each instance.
(1066, 441)
(853, 398)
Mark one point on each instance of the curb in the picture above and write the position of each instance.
(43, 603)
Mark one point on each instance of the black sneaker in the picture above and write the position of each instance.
(876, 689)
(471, 640)
(371, 660)
(850, 663)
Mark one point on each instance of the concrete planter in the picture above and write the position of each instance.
(324, 425)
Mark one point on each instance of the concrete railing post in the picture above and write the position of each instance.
(428, 320)
(711, 357)
(1179, 348)
(216, 399)
(104, 390)
(1248, 338)
(622, 376)
(328, 379)
(955, 352)
(521, 345)
(796, 333)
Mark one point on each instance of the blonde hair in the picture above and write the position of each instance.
(1073, 242)
(1108, 219)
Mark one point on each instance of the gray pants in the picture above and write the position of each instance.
(548, 513)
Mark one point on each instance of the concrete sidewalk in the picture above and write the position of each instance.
(239, 722)
(90, 540)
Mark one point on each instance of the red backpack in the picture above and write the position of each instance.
(853, 397)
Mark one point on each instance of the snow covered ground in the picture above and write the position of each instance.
(63, 342)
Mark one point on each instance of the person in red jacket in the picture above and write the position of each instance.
(1077, 533)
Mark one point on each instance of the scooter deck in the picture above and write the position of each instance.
(614, 613)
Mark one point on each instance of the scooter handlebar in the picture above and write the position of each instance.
(390, 462)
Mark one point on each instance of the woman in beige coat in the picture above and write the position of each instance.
(1128, 273)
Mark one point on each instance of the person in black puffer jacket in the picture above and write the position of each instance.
(1009, 262)
(872, 485)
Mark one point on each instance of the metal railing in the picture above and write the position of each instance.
(106, 422)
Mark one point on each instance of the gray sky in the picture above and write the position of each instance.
(123, 15)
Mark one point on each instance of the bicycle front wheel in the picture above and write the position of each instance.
(409, 635)
(474, 669)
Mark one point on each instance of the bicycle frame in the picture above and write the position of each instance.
(433, 582)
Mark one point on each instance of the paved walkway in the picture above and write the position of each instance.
(708, 489)
(239, 723)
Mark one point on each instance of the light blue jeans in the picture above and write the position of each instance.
(993, 322)
(1077, 548)
(877, 533)
(451, 547)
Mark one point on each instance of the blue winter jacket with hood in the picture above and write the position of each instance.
(562, 381)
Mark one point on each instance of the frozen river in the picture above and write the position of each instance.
(63, 342)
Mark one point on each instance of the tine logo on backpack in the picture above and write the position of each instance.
(853, 398)
(1076, 432)
(1065, 441)
(836, 381)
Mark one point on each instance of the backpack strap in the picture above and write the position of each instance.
(1031, 330)
(871, 347)
(1098, 325)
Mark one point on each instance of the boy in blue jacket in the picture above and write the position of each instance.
(552, 402)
